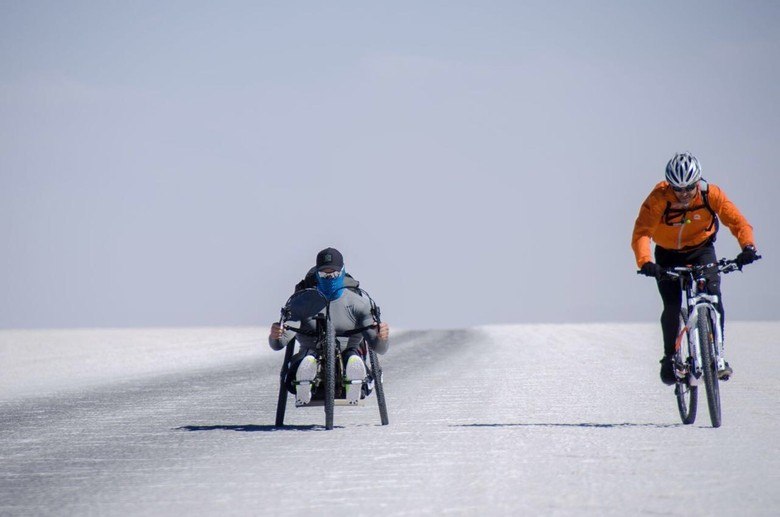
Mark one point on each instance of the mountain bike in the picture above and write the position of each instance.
(699, 345)
(329, 385)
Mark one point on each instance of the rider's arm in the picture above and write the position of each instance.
(731, 216)
(300, 307)
(380, 346)
(278, 339)
(647, 221)
(364, 318)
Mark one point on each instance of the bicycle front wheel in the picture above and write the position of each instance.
(687, 395)
(709, 365)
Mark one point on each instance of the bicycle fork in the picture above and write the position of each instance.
(704, 301)
(717, 335)
(693, 341)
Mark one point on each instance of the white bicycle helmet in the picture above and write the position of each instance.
(683, 170)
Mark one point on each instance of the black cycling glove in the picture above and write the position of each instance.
(747, 256)
(652, 269)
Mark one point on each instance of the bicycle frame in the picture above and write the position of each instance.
(693, 283)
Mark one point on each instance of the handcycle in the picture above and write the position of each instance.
(699, 346)
(329, 385)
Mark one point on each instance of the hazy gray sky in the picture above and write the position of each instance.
(181, 163)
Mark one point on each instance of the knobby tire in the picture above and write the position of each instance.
(330, 372)
(376, 371)
(281, 404)
(710, 366)
(687, 395)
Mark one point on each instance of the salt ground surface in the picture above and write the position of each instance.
(550, 419)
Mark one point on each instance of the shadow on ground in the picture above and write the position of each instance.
(582, 424)
(250, 428)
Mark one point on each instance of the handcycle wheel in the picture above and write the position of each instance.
(330, 372)
(281, 403)
(376, 371)
(687, 395)
(706, 343)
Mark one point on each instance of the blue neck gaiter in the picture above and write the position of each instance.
(331, 288)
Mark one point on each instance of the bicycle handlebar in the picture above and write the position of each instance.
(724, 266)
(348, 333)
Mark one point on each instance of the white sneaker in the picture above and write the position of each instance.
(306, 373)
(355, 373)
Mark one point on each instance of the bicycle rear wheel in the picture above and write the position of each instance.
(330, 372)
(687, 395)
(709, 365)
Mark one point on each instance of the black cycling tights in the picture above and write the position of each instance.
(670, 288)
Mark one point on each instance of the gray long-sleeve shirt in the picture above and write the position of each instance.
(349, 312)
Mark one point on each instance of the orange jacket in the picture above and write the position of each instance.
(676, 228)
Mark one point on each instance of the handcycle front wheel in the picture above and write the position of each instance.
(330, 373)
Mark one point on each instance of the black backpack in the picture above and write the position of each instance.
(676, 216)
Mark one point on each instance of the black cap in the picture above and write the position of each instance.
(329, 258)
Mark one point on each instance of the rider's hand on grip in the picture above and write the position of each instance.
(276, 331)
(652, 269)
(747, 256)
(383, 331)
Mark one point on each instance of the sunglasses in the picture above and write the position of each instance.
(684, 189)
(329, 274)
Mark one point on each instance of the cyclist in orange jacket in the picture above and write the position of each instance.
(682, 216)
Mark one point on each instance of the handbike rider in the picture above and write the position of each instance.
(681, 215)
(349, 310)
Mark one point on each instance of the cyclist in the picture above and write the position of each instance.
(349, 310)
(682, 216)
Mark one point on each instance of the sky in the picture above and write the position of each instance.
(181, 163)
